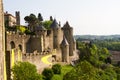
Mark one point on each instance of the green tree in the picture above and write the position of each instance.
(40, 18)
(83, 71)
(47, 24)
(51, 18)
(117, 70)
(32, 21)
(47, 73)
(86, 71)
(56, 68)
(25, 71)
(111, 73)
(22, 29)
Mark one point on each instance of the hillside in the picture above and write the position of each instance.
(101, 37)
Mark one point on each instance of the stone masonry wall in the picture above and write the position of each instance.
(2, 41)
(33, 58)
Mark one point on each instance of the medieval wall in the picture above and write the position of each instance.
(33, 58)
(34, 44)
(2, 42)
(17, 39)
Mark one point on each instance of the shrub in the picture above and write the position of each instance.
(25, 71)
(118, 76)
(56, 68)
(47, 73)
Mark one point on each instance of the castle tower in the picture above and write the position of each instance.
(17, 13)
(74, 44)
(2, 46)
(56, 34)
(65, 50)
(68, 32)
(41, 31)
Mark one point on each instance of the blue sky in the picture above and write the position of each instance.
(94, 17)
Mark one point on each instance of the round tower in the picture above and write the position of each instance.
(56, 34)
(42, 32)
(74, 44)
(65, 50)
(68, 32)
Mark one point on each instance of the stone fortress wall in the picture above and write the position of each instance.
(57, 41)
(2, 42)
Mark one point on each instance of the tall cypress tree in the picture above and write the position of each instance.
(51, 18)
(40, 18)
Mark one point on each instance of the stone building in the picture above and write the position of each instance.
(65, 50)
(43, 41)
(11, 20)
(57, 41)
(2, 42)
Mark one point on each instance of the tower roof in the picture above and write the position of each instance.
(39, 28)
(66, 25)
(64, 41)
(54, 24)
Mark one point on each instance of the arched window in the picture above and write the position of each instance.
(12, 45)
(20, 47)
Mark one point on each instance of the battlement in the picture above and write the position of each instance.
(35, 36)
(16, 34)
(31, 54)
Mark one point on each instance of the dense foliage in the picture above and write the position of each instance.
(25, 71)
(93, 64)
(47, 24)
(85, 71)
(111, 42)
(56, 68)
(47, 73)
(34, 21)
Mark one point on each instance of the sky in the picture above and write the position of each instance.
(87, 17)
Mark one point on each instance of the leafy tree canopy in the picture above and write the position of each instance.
(47, 24)
(25, 71)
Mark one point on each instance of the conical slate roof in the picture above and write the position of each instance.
(54, 24)
(39, 28)
(64, 41)
(66, 25)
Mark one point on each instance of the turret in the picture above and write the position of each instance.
(42, 32)
(56, 34)
(68, 32)
(54, 25)
(65, 50)
(17, 13)
(39, 29)
(74, 44)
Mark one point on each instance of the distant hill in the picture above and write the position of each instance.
(96, 37)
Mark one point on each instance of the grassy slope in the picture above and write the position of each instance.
(65, 69)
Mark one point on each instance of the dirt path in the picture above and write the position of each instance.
(46, 59)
